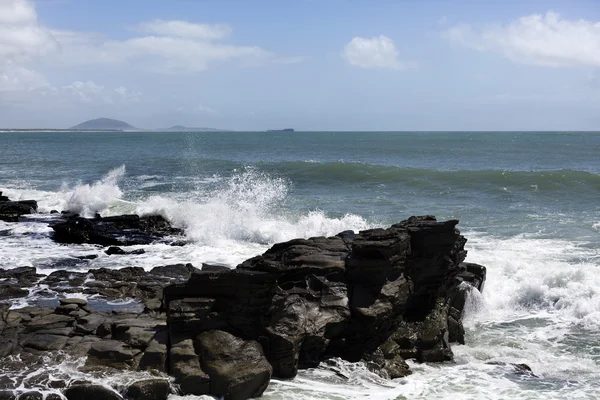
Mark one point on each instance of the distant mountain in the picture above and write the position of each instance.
(104, 124)
(181, 128)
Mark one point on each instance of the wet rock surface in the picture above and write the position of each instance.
(10, 211)
(380, 296)
(122, 230)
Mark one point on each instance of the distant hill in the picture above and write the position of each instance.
(181, 128)
(104, 124)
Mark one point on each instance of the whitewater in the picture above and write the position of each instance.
(527, 202)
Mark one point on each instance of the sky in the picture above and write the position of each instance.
(304, 64)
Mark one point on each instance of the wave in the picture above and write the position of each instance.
(555, 279)
(249, 207)
(355, 172)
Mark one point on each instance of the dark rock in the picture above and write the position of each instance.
(185, 368)
(237, 368)
(88, 392)
(49, 321)
(155, 355)
(53, 211)
(115, 250)
(123, 230)
(382, 295)
(46, 342)
(10, 211)
(9, 291)
(518, 369)
(112, 353)
(7, 395)
(31, 396)
(149, 389)
(58, 384)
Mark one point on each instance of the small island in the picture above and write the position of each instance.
(103, 124)
(281, 130)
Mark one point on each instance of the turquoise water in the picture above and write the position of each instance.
(528, 202)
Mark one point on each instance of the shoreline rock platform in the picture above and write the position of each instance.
(380, 296)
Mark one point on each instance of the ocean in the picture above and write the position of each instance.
(528, 203)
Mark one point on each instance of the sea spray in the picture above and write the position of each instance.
(248, 207)
(87, 200)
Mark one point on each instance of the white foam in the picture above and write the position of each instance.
(533, 275)
(87, 199)
(246, 209)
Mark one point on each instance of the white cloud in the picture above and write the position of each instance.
(17, 78)
(376, 52)
(546, 40)
(159, 46)
(185, 29)
(22, 38)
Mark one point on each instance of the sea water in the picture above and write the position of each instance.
(528, 202)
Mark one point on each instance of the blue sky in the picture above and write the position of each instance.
(307, 64)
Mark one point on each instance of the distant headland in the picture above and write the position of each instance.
(104, 124)
(281, 130)
(112, 125)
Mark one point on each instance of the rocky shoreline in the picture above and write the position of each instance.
(380, 296)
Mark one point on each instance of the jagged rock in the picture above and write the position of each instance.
(237, 368)
(387, 361)
(149, 389)
(88, 392)
(381, 291)
(122, 230)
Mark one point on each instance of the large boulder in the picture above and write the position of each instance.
(87, 392)
(237, 368)
(149, 389)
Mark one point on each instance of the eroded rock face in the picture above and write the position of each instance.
(382, 295)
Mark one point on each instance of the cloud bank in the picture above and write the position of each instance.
(546, 40)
